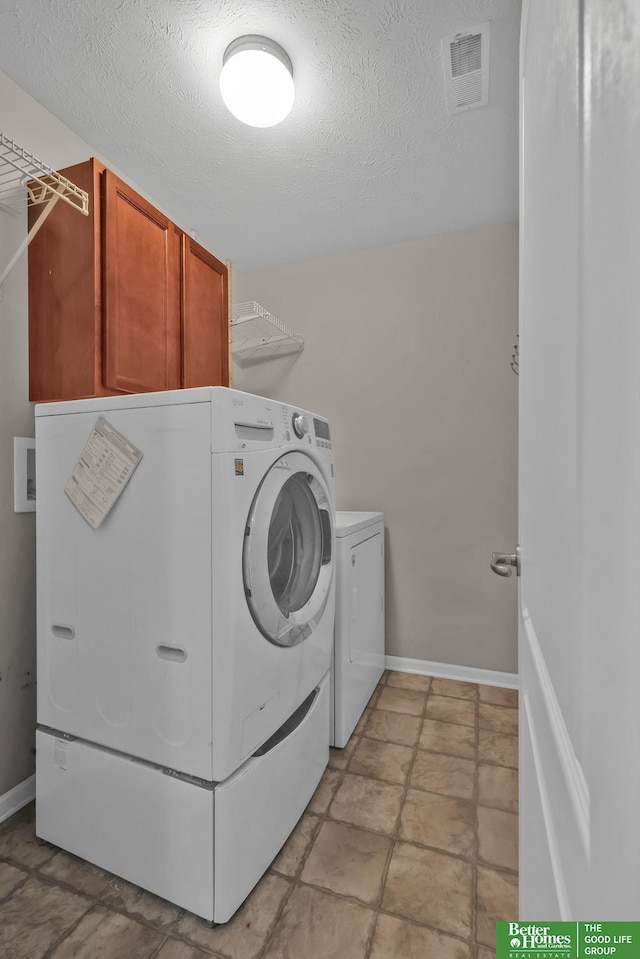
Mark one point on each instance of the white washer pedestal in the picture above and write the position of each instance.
(358, 661)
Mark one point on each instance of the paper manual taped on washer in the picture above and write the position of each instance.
(106, 465)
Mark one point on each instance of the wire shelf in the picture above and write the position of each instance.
(26, 181)
(256, 333)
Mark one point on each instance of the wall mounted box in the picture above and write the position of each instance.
(24, 474)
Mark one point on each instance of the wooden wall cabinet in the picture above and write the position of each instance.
(122, 301)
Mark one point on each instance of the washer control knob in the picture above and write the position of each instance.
(299, 425)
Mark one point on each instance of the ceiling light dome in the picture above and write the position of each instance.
(256, 82)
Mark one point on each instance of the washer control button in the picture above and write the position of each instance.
(299, 425)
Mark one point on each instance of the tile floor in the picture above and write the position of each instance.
(408, 849)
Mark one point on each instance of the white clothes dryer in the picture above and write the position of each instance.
(358, 661)
(196, 618)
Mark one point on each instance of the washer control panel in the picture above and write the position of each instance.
(299, 424)
(322, 434)
(306, 428)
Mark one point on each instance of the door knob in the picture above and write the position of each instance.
(504, 563)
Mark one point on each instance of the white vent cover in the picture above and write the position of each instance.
(466, 68)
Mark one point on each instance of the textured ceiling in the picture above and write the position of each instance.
(368, 154)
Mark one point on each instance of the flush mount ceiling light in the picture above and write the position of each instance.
(256, 82)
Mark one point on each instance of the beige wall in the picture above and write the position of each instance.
(29, 124)
(407, 351)
(17, 530)
(24, 120)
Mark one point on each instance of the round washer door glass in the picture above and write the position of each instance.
(288, 550)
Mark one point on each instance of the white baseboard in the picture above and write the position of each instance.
(17, 797)
(467, 674)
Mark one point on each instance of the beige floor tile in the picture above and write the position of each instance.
(35, 917)
(362, 722)
(440, 821)
(498, 837)
(454, 687)
(347, 861)
(398, 939)
(382, 760)
(402, 700)
(409, 681)
(430, 888)
(323, 795)
(109, 935)
(498, 748)
(438, 773)
(500, 719)
(499, 696)
(393, 727)
(174, 949)
(139, 903)
(68, 869)
(10, 878)
(18, 841)
(447, 709)
(496, 901)
(368, 803)
(317, 925)
(485, 953)
(291, 856)
(498, 786)
(448, 738)
(339, 758)
(244, 936)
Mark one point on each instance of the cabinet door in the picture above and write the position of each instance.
(65, 304)
(141, 293)
(205, 317)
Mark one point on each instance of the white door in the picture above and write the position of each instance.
(579, 637)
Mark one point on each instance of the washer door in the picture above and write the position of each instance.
(287, 558)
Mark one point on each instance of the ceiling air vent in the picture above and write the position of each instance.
(466, 68)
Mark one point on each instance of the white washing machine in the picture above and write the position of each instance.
(184, 644)
(359, 651)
